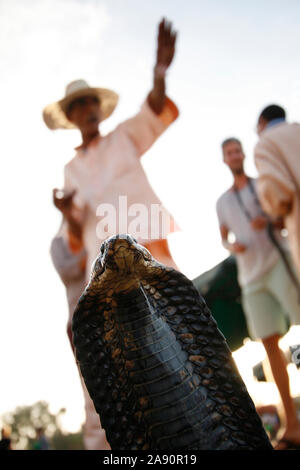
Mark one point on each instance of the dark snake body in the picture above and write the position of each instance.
(158, 370)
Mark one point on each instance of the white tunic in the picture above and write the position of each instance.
(110, 168)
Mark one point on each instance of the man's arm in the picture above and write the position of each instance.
(158, 111)
(275, 188)
(165, 53)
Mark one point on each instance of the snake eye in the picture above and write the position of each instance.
(147, 254)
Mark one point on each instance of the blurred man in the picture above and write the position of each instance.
(268, 293)
(70, 266)
(107, 167)
(41, 442)
(277, 157)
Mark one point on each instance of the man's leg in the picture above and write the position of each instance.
(278, 365)
(267, 322)
(284, 291)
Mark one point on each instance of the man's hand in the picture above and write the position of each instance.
(63, 201)
(259, 223)
(238, 248)
(278, 223)
(165, 53)
(232, 247)
(165, 44)
(285, 208)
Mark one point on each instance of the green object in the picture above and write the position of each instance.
(221, 291)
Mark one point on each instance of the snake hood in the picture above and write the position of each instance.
(157, 368)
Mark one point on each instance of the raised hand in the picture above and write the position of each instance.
(165, 44)
(165, 53)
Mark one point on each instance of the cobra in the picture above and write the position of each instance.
(157, 368)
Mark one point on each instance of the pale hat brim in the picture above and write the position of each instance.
(54, 114)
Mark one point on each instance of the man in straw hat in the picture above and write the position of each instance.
(106, 171)
(108, 168)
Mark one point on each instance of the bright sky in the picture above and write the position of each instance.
(232, 59)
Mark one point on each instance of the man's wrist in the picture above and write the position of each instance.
(67, 213)
(75, 241)
(74, 226)
(75, 229)
(160, 71)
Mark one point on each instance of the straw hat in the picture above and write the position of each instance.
(55, 113)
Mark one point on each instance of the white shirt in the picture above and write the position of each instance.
(260, 254)
(110, 167)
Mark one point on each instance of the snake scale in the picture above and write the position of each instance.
(157, 368)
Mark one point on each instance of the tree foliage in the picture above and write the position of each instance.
(25, 420)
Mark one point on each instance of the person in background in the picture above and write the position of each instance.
(268, 294)
(41, 442)
(277, 158)
(70, 265)
(107, 167)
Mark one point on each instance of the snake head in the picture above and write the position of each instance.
(122, 255)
